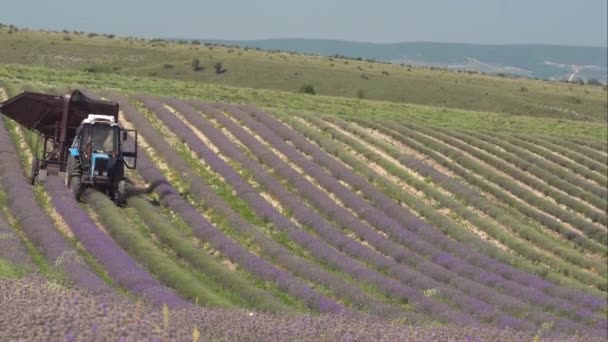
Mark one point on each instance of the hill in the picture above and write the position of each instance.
(108, 55)
(529, 60)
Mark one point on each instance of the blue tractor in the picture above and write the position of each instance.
(80, 139)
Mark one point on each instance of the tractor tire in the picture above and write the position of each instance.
(72, 177)
(34, 170)
(121, 193)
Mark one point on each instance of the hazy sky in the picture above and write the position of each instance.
(572, 22)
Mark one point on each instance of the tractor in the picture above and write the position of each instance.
(81, 140)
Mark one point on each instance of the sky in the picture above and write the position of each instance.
(564, 22)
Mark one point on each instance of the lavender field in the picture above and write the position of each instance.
(252, 224)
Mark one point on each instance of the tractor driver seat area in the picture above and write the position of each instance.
(103, 139)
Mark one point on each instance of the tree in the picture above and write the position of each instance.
(219, 69)
(196, 65)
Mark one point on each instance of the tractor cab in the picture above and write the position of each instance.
(100, 145)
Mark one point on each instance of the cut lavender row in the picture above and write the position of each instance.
(36, 225)
(119, 265)
(11, 247)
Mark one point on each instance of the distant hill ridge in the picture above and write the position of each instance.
(532, 60)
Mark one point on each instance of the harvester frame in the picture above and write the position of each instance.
(57, 120)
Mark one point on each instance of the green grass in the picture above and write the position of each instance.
(286, 72)
(10, 270)
(285, 102)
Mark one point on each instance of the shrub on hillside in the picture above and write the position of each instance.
(196, 65)
(168, 66)
(360, 94)
(219, 69)
(308, 89)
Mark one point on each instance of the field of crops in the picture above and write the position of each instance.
(235, 207)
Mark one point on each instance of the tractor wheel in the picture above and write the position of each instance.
(121, 193)
(34, 170)
(72, 174)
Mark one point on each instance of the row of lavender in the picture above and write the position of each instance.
(402, 263)
(546, 150)
(307, 216)
(589, 190)
(245, 190)
(447, 146)
(510, 192)
(589, 203)
(559, 291)
(337, 168)
(329, 208)
(564, 259)
(11, 247)
(182, 135)
(373, 194)
(123, 270)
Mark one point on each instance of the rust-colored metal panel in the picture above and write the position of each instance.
(44, 113)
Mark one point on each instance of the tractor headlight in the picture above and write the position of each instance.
(105, 173)
(95, 172)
